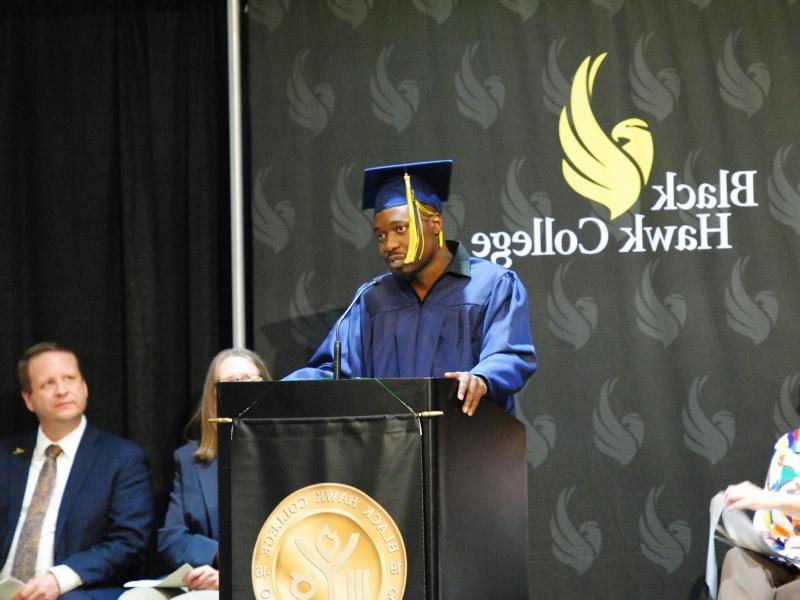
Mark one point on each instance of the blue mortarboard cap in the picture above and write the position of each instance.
(384, 186)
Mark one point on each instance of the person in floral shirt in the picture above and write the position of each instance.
(750, 575)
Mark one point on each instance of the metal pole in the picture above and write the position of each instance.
(237, 204)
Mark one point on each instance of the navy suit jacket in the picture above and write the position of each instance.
(105, 518)
(190, 530)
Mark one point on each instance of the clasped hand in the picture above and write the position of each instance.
(202, 578)
(42, 587)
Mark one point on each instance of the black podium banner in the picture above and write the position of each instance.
(369, 489)
(327, 533)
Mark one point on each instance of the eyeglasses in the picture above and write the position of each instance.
(240, 378)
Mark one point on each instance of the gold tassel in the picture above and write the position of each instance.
(429, 212)
(416, 241)
(413, 237)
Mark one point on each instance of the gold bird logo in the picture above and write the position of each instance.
(610, 171)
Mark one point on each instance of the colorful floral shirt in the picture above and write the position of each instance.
(781, 530)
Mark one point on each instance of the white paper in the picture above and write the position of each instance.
(715, 508)
(736, 528)
(739, 529)
(10, 586)
(173, 580)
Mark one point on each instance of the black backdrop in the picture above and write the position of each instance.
(114, 205)
(668, 365)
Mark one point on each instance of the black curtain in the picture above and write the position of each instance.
(114, 206)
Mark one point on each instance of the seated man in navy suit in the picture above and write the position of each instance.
(76, 505)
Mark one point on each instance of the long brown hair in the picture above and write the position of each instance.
(207, 445)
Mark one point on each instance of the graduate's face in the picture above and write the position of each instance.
(390, 228)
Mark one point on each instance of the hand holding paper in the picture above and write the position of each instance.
(204, 577)
(746, 495)
(9, 587)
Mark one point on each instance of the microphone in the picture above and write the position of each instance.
(337, 344)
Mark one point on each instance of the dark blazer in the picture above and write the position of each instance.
(190, 530)
(105, 519)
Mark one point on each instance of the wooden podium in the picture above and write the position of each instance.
(454, 486)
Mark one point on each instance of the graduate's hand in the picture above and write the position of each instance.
(471, 388)
(202, 578)
(43, 587)
(746, 495)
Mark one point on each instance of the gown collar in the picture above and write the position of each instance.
(459, 264)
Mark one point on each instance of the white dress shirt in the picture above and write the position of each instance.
(67, 578)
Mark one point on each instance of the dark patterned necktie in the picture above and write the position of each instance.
(28, 544)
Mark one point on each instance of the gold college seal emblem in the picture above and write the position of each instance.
(329, 541)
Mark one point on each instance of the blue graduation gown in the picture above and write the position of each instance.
(474, 318)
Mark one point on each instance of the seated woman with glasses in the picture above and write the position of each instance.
(190, 530)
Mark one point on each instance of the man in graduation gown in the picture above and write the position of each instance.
(438, 312)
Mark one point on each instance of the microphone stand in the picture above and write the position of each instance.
(337, 344)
